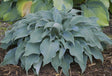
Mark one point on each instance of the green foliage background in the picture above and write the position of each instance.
(90, 8)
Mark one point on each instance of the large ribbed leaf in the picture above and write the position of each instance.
(68, 36)
(32, 48)
(59, 4)
(48, 50)
(94, 8)
(21, 32)
(36, 36)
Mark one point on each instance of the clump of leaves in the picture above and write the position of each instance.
(56, 37)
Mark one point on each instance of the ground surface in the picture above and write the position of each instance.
(94, 69)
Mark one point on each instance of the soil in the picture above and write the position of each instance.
(97, 68)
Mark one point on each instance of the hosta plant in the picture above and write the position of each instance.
(56, 37)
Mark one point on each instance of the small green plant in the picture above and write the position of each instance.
(56, 37)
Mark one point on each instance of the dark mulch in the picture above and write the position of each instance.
(97, 68)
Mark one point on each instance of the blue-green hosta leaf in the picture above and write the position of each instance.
(61, 53)
(65, 63)
(79, 19)
(74, 12)
(56, 62)
(89, 55)
(46, 15)
(30, 60)
(22, 59)
(57, 16)
(97, 54)
(40, 23)
(21, 25)
(29, 20)
(66, 24)
(5, 45)
(45, 33)
(54, 25)
(68, 36)
(58, 26)
(49, 49)
(59, 4)
(10, 58)
(36, 36)
(48, 25)
(103, 38)
(72, 28)
(8, 37)
(90, 37)
(19, 51)
(88, 52)
(76, 50)
(20, 33)
(82, 65)
(93, 9)
(37, 66)
(32, 48)
(86, 49)
(64, 43)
